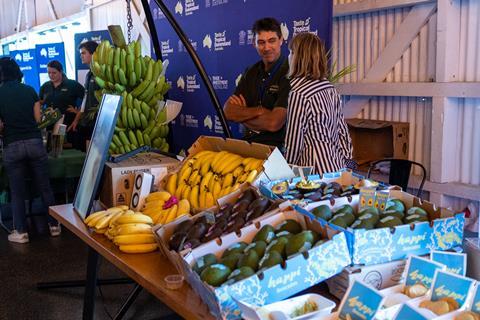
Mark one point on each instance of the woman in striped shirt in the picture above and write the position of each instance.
(317, 134)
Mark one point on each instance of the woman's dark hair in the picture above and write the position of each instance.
(56, 65)
(267, 24)
(9, 70)
(90, 46)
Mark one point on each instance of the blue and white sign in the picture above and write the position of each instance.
(361, 302)
(407, 312)
(420, 270)
(476, 301)
(26, 60)
(455, 262)
(98, 36)
(220, 32)
(46, 53)
(446, 284)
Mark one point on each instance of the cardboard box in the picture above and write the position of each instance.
(379, 276)
(276, 283)
(443, 231)
(118, 177)
(374, 140)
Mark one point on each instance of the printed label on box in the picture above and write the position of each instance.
(455, 262)
(421, 270)
(447, 284)
(360, 303)
(381, 200)
(476, 301)
(407, 312)
(367, 198)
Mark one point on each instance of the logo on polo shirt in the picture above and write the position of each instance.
(207, 122)
(190, 7)
(303, 25)
(166, 49)
(179, 8)
(181, 83)
(207, 42)
(221, 41)
(285, 32)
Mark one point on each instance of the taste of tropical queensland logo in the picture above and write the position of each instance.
(190, 7)
(303, 25)
(166, 48)
(221, 41)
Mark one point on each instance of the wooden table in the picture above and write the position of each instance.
(148, 270)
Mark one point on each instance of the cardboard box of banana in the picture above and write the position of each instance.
(130, 231)
(209, 175)
(123, 70)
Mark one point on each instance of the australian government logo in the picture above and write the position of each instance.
(190, 7)
(192, 83)
(157, 14)
(303, 26)
(221, 41)
(245, 37)
(181, 47)
(219, 83)
(181, 83)
(214, 3)
(190, 121)
(166, 48)
(207, 42)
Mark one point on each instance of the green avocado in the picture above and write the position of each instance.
(299, 243)
(371, 210)
(278, 245)
(346, 216)
(323, 212)
(266, 234)
(270, 259)
(289, 225)
(372, 218)
(362, 224)
(241, 273)
(338, 221)
(345, 208)
(249, 259)
(400, 215)
(231, 260)
(258, 246)
(414, 218)
(395, 204)
(215, 274)
(389, 222)
(235, 248)
(417, 210)
(204, 262)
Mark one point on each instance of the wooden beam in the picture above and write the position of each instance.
(392, 52)
(411, 89)
(366, 6)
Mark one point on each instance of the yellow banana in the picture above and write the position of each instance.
(140, 238)
(216, 159)
(201, 199)
(154, 204)
(134, 218)
(235, 163)
(224, 192)
(229, 160)
(214, 178)
(117, 208)
(209, 201)
(192, 177)
(235, 187)
(183, 207)
(251, 176)
(243, 177)
(157, 215)
(172, 183)
(205, 181)
(206, 163)
(139, 248)
(253, 163)
(159, 195)
(94, 215)
(105, 221)
(222, 161)
(92, 222)
(179, 191)
(172, 214)
(217, 188)
(184, 174)
(186, 192)
(227, 180)
(101, 231)
(238, 171)
(194, 197)
(133, 228)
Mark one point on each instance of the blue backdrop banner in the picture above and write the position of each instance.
(98, 36)
(27, 63)
(220, 32)
(46, 53)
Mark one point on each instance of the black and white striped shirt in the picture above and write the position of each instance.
(317, 134)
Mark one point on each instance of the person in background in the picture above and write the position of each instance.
(62, 93)
(260, 99)
(84, 121)
(317, 134)
(23, 153)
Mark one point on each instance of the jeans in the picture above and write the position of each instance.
(20, 159)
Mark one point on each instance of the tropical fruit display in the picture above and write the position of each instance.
(164, 208)
(269, 247)
(231, 217)
(210, 175)
(395, 214)
(130, 231)
(140, 81)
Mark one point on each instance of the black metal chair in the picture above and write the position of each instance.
(400, 172)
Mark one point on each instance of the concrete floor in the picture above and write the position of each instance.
(45, 258)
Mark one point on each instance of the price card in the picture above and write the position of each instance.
(476, 301)
(408, 312)
(455, 262)
(421, 270)
(367, 198)
(361, 302)
(446, 284)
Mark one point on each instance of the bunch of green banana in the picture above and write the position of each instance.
(141, 83)
(210, 175)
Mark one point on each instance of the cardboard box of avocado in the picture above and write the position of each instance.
(343, 183)
(264, 262)
(388, 225)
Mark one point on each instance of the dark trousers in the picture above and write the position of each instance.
(20, 159)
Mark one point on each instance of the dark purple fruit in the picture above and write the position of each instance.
(191, 244)
(241, 205)
(183, 226)
(263, 203)
(248, 195)
(197, 231)
(176, 241)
